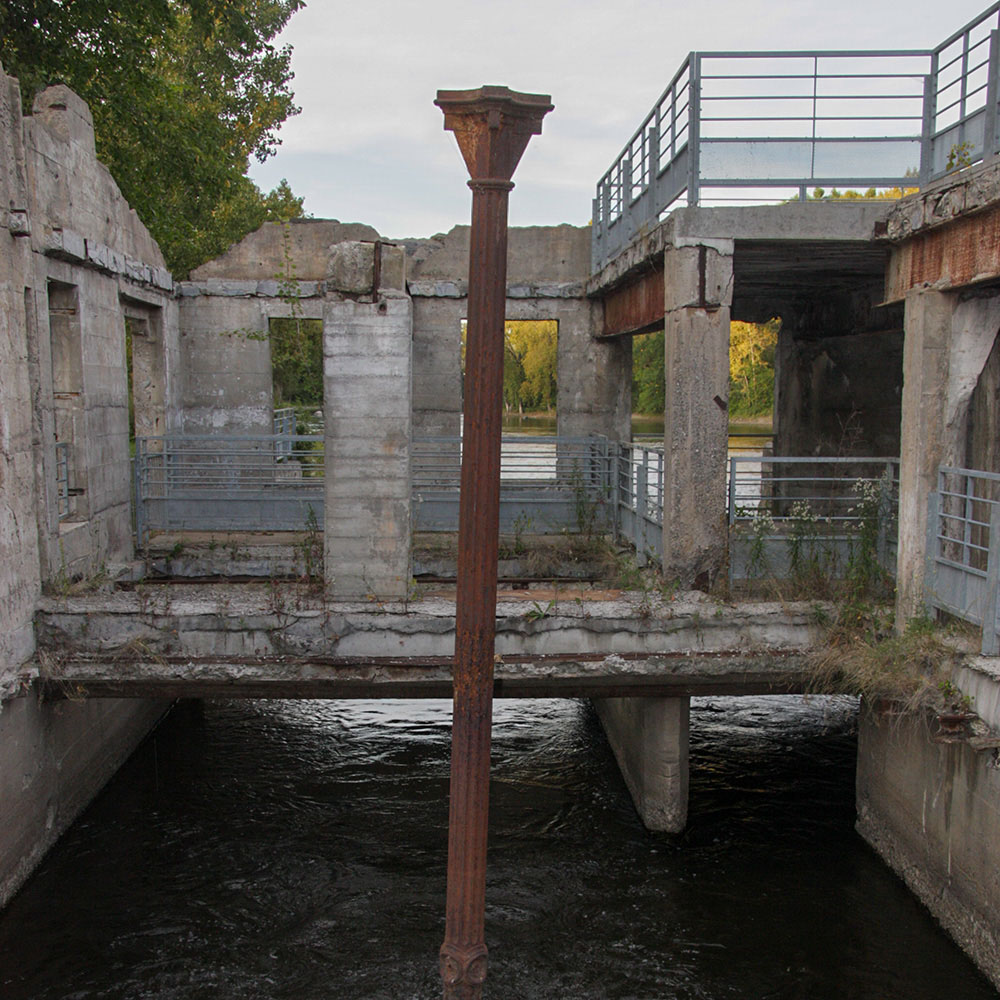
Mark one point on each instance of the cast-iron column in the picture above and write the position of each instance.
(492, 126)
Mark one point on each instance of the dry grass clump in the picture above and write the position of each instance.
(864, 656)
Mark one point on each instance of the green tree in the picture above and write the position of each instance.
(647, 373)
(534, 347)
(751, 367)
(297, 361)
(183, 93)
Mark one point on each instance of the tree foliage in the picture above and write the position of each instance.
(751, 368)
(647, 374)
(183, 93)
(297, 361)
(530, 363)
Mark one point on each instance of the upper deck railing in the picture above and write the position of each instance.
(760, 127)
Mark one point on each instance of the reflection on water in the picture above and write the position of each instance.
(297, 850)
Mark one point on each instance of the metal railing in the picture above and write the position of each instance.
(62, 479)
(638, 499)
(963, 550)
(283, 424)
(547, 484)
(208, 483)
(758, 127)
(787, 514)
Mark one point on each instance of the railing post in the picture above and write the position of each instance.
(990, 122)
(927, 125)
(642, 482)
(694, 128)
(596, 236)
(931, 551)
(628, 224)
(493, 126)
(731, 501)
(884, 491)
(137, 479)
(653, 147)
(991, 642)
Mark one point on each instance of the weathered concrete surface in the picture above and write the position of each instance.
(932, 811)
(797, 221)
(925, 377)
(838, 395)
(367, 361)
(265, 254)
(74, 261)
(54, 758)
(273, 641)
(20, 578)
(698, 293)
(547, 271)
(948, 234)
(649, 738)
(226, 361)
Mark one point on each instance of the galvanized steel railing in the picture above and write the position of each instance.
(755, 127)
(638, 499)
(789, 513)
(963, 551)
(207, 483)
(547, 484)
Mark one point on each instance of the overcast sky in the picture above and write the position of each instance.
(369, 144)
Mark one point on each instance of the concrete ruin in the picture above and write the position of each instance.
(888, 347)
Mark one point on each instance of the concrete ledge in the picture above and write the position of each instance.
(258, 641)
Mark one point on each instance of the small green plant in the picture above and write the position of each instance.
(959, 156)
(177, 551)
(522, 524)
(536, 612)
(311, 550)
(866, 576)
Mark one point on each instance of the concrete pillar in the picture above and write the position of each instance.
(927, 332)
(698, 290)
(594, 384)
(649, 737)
(367, 400)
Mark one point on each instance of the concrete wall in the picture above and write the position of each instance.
(838, 395)
(983, 440)
(932, 811)
(74, 259)
(547, 272)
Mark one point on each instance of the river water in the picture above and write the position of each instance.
(297, 850)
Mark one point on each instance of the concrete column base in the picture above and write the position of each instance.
(649, 737)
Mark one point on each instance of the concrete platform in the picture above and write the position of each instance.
(281, 641)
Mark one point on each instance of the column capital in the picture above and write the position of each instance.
(493, 126)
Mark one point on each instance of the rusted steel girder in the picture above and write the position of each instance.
(493, 126)
(636, 307)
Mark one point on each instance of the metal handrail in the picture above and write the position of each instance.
(706, 133)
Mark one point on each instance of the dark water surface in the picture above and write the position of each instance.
(297, 850)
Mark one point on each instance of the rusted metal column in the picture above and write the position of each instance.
(492, 126)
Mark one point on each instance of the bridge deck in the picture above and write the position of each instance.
(259, 641)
